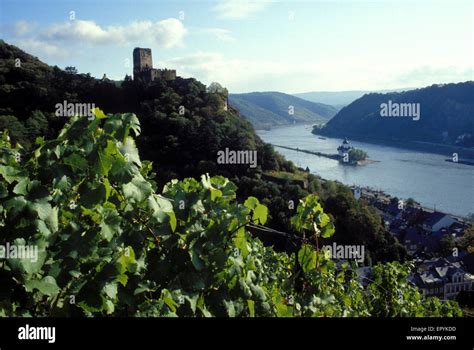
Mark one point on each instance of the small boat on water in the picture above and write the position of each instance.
(322, 138)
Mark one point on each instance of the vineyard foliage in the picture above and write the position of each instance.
(110, 243)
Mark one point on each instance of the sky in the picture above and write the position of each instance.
(262, 45)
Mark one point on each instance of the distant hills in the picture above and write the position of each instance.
(446, 117)
(269, 109)
(340, 99)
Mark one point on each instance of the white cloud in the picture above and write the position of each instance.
(238, 74)
(42, 49)
(76, 31)
(427, 75)
(243, 75)
(21, 28)
(61, 40)
(220, 34)
(166, 33)
(238, 9)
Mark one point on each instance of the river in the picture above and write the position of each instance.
(425, 177)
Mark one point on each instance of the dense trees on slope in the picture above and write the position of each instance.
(110, 243)
(269, 109)
(183, 127)
(446, 114)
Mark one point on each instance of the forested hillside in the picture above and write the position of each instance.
(446, 116)
(269, 109)
(181, 145)
(134, 215)
(110, 243)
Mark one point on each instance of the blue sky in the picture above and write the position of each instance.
(288, 46)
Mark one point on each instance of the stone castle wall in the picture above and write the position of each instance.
(142, 59)
(143, 67)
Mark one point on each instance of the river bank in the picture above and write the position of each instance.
(330, 156)
(464, 154)
(401, 172)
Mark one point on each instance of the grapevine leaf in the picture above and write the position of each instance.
(260, 214)
(307, 258)
(46, 286)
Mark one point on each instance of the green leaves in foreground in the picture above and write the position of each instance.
(109, 243)
(311, 217)
(260, 211)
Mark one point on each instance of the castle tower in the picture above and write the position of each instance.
(141, 60)
(143, 67)
(345, 147)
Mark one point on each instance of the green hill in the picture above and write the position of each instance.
(269, 109)
(446, 117)
(179, 143)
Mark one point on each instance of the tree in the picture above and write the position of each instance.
(447, 244)
(36, 125)
(17, 131)
(215, 87)
(356, 155)
(70, 70)
(466, 242)
(107, 236)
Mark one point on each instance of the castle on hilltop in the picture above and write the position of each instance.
(143, 67)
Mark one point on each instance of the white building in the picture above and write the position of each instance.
(344, 148)
(459, 281)
(443, 279)
(357, 192)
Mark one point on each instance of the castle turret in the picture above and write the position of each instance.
(142, 60)
(143, 67)
(345, 147)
